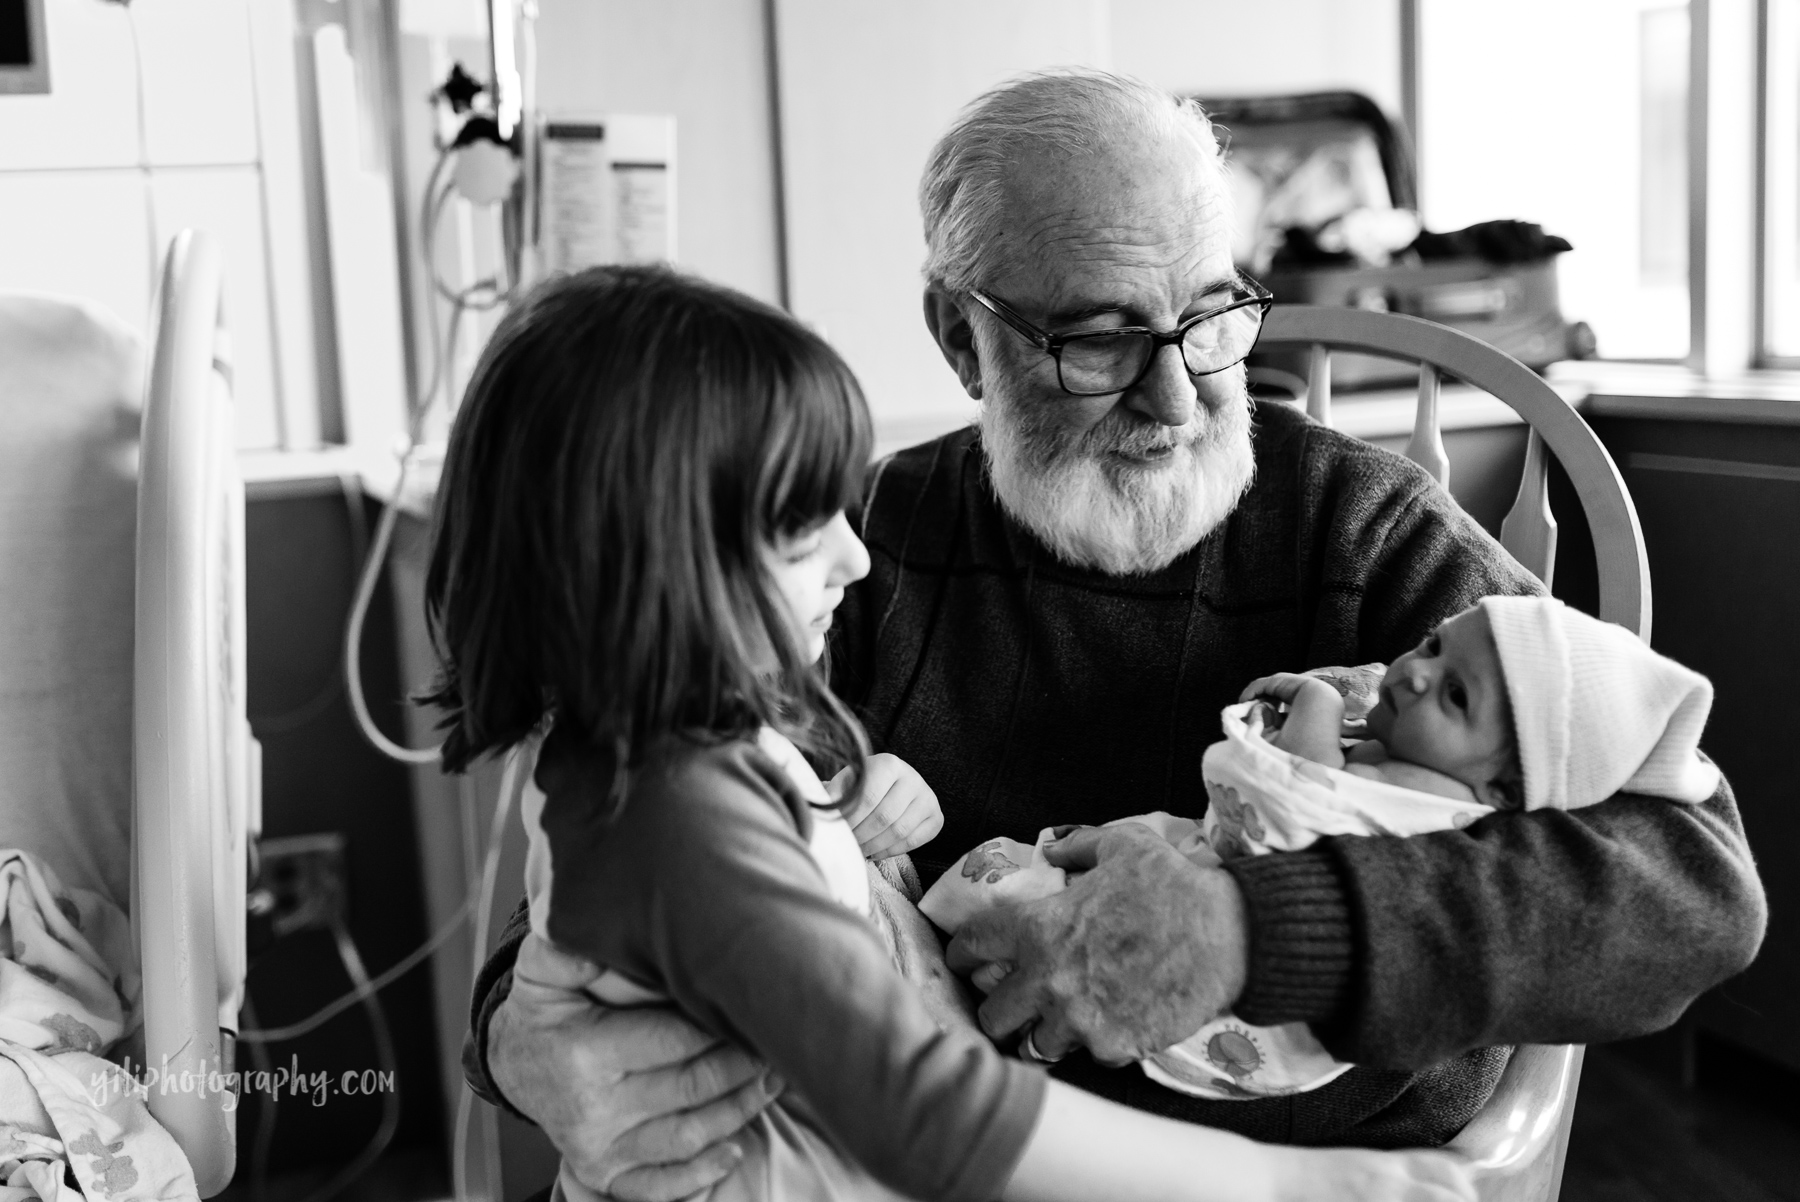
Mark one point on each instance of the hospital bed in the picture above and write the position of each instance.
(128, 761)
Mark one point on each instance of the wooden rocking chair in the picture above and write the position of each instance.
(1519, 1140)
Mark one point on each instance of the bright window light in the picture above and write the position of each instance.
(1781, 224)
(1573, 116)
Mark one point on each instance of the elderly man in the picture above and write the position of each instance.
(1062, 601)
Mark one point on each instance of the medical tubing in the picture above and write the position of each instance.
(511, 784)
(481, 295)
(366, 989)
(331, 1010)
(459, 1144)
(442, 350)
(267, 1109)
(359, 612)
(388, 1067)
(371, 575)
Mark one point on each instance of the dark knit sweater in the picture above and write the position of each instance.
(1030, 694)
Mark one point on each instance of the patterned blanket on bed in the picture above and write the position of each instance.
(72, 1124)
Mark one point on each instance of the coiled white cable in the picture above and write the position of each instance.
(481, 295)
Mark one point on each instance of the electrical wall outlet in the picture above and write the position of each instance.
(304, 883)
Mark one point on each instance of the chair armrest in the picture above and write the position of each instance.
(1517, 1143)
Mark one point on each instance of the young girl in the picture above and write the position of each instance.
(640, 543)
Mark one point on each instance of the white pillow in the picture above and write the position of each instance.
(71, 381)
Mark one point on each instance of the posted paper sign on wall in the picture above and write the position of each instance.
(608, 191)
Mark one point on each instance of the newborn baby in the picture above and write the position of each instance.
(1517, 702)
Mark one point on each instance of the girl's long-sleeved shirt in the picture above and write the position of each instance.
(702, 889)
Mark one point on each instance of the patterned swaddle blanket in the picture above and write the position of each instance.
(68, 993)
(1261, 799)
(1264, 799)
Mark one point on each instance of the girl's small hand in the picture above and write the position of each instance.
(897, 811)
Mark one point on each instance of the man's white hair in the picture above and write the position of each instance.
(1071, 110)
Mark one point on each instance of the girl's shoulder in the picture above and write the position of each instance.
(685, 784)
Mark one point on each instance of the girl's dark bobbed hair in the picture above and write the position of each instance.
(629, 442)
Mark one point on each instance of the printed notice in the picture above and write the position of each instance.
(576, 223)
(608, 191)
(641, 212)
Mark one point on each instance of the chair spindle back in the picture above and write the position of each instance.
(1529, 530)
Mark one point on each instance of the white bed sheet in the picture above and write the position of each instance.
(71, 381)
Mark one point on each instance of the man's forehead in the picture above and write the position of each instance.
(1119, 231)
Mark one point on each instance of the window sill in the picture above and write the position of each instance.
(274, 475)
(1378, 413)
(1595, 387)
(1670, 392)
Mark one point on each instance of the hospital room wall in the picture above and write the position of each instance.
(151, 126)
(90, 194)
(705, 62)
(864, 90)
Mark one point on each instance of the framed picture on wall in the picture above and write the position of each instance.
(24, 47)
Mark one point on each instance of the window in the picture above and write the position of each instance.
(1574, 116)
(1781, 189)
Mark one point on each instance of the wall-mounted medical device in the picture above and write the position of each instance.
(607, 191)
(24, 47)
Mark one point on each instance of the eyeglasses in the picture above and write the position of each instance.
(1103, 362)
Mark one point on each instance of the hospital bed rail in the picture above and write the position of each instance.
(195, 800)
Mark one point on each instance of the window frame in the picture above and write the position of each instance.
(1729, 280)
(1766, 356)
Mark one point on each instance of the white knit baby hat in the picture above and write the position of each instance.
(1595, 710)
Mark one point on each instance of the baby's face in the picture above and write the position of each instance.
(1443, 705)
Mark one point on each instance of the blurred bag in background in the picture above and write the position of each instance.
(1326, 210)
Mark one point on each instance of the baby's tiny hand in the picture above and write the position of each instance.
(897, 811)
(1361, 687)
(1282, 686)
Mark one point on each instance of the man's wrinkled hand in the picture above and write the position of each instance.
(1139, 952)
(641, 1103)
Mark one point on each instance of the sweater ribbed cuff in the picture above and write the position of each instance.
(475, 1048)
(1301, 948)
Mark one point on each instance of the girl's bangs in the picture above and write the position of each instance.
(819, 456)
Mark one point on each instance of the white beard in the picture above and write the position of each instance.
(1118, 519)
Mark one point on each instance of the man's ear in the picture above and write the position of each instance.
(955, 337)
